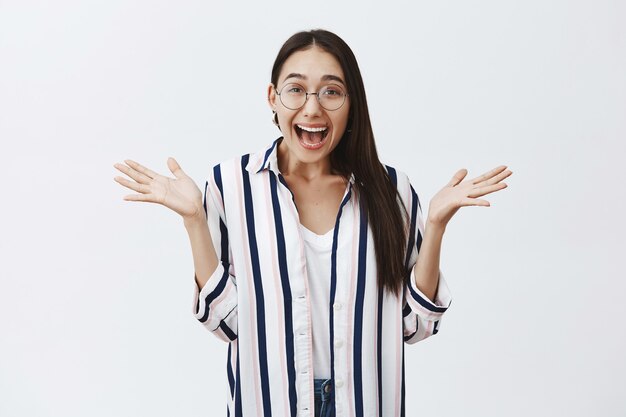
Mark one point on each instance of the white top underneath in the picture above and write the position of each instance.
(317, 250)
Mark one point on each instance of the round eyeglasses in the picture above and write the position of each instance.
(294, 96)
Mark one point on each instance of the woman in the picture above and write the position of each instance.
(308, 267)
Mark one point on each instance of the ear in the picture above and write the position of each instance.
(271, 96)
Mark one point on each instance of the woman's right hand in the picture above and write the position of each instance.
(180, 194)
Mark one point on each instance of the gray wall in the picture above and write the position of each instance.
(96, 292)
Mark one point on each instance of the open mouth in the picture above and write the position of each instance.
(312, 137)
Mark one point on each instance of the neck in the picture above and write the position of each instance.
(291, 166)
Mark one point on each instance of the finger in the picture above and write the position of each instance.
(489, 174)
(175, 168)
(140, 188)
(140, 197)
(496, 179)
(480, 191)
(138, 167)
(474, 202)
(136, 175)
(458, 177)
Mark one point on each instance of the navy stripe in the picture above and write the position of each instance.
(425, 303)
(418, 242)
(238, 411)
(287, 296)
(406, 310)
(217, 176)
(213, 295)
(267, 155)
(229, 372)
(333, 289)
(224, 253)
(379, 351)
(358, 314)
(416, 202)
(411, 335)
(206, 212)
(224, 249)
(227, 331)
(258, 289)
(392, 175)
(435, 329)
(293, 198)
(411, 240)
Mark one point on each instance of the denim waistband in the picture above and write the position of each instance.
(322, 386)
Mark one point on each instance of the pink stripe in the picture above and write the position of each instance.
(233, 364)
(430, 326)
(282, 347)
(375, 328)
(221, 334)
(350, 304)
(399, 339)
(251, 300)
(218, 300)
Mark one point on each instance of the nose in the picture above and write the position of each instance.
(312, 105)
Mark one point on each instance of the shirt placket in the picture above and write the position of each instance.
(339, 344)
(301, 308)
(302, 311)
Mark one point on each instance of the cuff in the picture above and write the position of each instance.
(422, 306)
(213, 299)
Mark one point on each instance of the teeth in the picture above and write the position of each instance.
(312, 129)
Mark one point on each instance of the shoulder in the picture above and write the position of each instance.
(403, 185)
(398, 178)
(231, 167)
(252, 162)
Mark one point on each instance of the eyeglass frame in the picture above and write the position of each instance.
(306, 94)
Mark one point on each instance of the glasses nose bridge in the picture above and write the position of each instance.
(317, 96)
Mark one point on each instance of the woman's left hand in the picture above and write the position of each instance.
(458, 193)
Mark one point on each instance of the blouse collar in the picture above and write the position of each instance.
(267, 159)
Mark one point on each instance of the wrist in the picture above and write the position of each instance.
(435, 228)
(194, 221)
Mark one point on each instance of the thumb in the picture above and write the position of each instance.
(458, 177)
(175, 168)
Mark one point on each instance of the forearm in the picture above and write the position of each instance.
(426, 273)
(204, 256)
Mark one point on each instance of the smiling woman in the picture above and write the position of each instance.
(316, 124)
(306, 252)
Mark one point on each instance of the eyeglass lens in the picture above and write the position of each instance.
(294, 96)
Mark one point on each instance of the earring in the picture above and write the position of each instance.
(275, 118)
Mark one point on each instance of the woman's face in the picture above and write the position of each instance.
(310, 132)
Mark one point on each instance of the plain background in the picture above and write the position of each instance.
(96, 292)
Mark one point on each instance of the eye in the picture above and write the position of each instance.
(293, 89)
(332, 91)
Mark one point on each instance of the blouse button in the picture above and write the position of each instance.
(337, 306)
(338, 343)
(339, 383)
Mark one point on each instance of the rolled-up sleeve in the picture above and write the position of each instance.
(215, 304)
(421, 316)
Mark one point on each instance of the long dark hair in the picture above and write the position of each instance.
(356, 154)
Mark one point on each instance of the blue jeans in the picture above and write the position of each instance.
(323, 391)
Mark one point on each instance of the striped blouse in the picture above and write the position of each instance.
(258, 299)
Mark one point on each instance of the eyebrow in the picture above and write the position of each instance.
(327, 77)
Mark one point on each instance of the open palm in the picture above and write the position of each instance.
(180, 194)
(458, 193)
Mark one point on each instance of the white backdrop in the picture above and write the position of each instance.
(96, 292)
